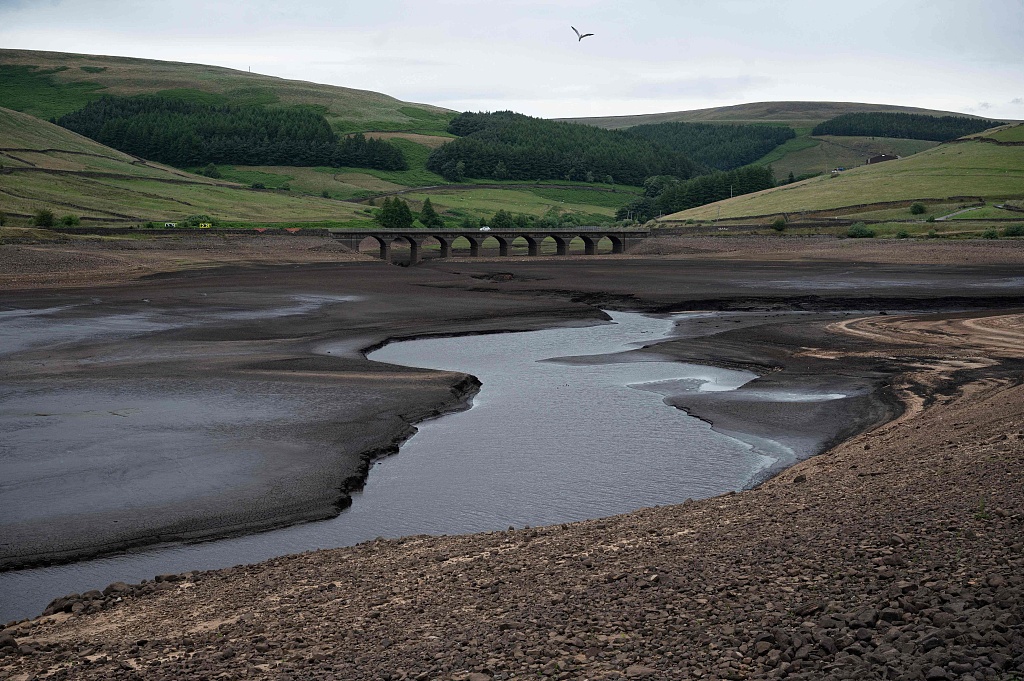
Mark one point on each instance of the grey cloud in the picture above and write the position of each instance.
(1017, 100)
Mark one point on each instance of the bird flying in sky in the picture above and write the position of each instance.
(579, 35)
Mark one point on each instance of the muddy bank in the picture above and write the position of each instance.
(199, 410)
(342, 409)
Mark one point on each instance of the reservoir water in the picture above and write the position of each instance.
(546, 441)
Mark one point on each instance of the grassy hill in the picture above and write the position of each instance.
(794, 114)
(50, 84)
(804, 155)
(968, 168)
(43, 166)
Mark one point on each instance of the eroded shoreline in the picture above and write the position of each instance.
(897, 552)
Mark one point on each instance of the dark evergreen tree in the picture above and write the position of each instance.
(715, 187)
(903, 126)
(184, 134)
(394, 213)
(513, 146)
(718, 146)
(429, 217)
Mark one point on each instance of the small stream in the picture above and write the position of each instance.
(545, 442)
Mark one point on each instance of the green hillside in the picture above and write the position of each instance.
(804, 155)
(962, 169)
(43, 166)
(51, 84)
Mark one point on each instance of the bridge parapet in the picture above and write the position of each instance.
(621, 240)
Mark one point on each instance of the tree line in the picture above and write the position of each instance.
(903, 126)
(717, 146)
(664, 195)
(506, 145)
(183, 134)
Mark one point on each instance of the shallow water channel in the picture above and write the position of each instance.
(546, 441)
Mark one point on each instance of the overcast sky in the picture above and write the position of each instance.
(646, 56)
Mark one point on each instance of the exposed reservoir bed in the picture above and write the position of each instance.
(571, 423)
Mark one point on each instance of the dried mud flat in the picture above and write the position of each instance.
(897, 554)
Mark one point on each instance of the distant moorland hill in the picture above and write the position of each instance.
(51, 84)
(795, 114)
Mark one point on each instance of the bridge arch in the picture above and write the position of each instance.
(403, 239)
(503, 245)
(618, 245)
(446, 241)
(590, 243)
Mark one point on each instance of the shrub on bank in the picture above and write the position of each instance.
(1013, 230)
(44, 218)
(860, 231)
(917, 209)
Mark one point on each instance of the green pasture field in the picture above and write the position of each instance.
(613, 200)
(951, 170)
(988, 213)
(935, 210)
(805, 155)
(23, 131)
(344, 184)
(145, 199)
(365, 222)
(485, 202)
(802, 141)
(101, 183)
(37, 91)
(50, 84)
(1011, 134)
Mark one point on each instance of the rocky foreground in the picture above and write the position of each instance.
(897, 555)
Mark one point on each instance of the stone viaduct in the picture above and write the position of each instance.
(620, 240)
